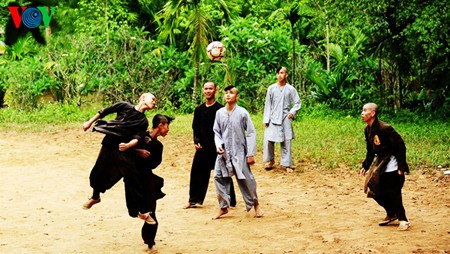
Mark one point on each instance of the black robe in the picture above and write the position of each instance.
(112, 164)
(205, 158)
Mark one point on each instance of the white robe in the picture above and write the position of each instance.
(276, 108)
(236, 133)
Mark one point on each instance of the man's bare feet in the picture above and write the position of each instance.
(90, 203)
(192, 205)
(288, 169)
(269, 165)
(188, 205)
(258, 211)
(221, 212)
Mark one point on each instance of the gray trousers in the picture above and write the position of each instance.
(247, 187)
(286, 152)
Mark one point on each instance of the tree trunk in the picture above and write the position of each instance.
(380, 74)
(400, 94)
(194, 89)
(328, 46)
(293, 54)
(2, 97)
(107, 36)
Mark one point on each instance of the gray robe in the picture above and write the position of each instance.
(276, 108)
(236, 134)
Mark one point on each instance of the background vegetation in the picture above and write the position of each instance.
(341, 54)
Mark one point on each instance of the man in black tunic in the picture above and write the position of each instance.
(385, 179)
(149, 151)
(206, 154)
(112, 164)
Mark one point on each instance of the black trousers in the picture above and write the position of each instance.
(390, 198)
(141, 194)
(110, 167)
(148, 232)
(204, 161)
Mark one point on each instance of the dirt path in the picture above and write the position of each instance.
(44, 182)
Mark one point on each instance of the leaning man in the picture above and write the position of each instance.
(385, 179)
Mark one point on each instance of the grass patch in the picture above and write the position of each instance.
(325, 140)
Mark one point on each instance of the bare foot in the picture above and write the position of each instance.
(221, 212)
(152, 250)
(188, 205)
(192, 205)
(258, 212)
(288, 169)
(269, 165)
(90, 203)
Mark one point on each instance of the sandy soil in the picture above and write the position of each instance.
(44, 182)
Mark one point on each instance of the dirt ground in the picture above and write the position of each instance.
(44, 182)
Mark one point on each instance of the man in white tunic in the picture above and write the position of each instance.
(281, 106)
(235, 140)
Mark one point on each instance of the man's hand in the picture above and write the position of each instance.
(362, 172)
(220, 150)
(123, 147)
(143, 153)
(86, 125)
(198, 146)
(290, 116)
(250, 160)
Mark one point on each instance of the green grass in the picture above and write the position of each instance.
(322, 140)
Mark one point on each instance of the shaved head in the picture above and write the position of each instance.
(209, 83)
(372, 107)
(369, 113)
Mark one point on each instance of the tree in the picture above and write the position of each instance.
(412, 38)
(197, 21)
(290, 13)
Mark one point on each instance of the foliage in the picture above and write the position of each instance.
(196, 19)
(349, 82)
(253, 53)
(413, 37)
(395, 53)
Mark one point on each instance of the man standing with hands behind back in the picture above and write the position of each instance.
(205, 155)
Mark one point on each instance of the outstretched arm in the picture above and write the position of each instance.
(88, 123)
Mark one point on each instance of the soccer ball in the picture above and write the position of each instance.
(215, 50)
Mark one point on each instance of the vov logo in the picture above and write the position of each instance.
(31, 17)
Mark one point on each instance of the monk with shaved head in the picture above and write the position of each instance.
(385, 178)
(112, 164)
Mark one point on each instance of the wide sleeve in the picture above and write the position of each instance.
(218, 139)
(250, 135)
(295, 98)
(370, 155)
(111, 109)
(196, 126)
(267, 106)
